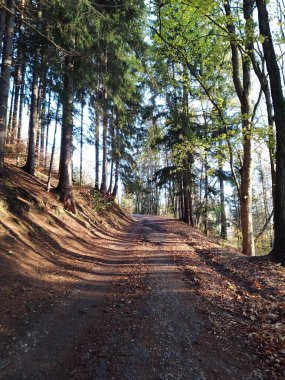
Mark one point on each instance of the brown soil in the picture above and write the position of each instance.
(100, 296)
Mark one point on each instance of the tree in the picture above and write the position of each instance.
(5, 77)
(278, 251)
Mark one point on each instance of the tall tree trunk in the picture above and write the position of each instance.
(112, 150)
(103, 187)
(5, 78)
(42, 117)
(13, 131)
(48, 121)
(21, 106)
(242, 87)
(66, 150)
(29, 167)
(22, 101)
(2, 24)
(262, 77)
(116, 179)
(223, 218)
(206, 197)
(181, 214)
(9, 126)
(97, 138)
(116, 147)
(38, 119)
(278, 251)
(186, 210)
(81, 142)
(53, 147)
(17, 80)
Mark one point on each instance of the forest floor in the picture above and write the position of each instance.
(148, 298)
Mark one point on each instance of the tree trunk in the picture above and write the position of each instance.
(97, 138)
(116, 144)
(2, 24)
(48, 121)
(262, 77)
(42, 118)
(29, 167)
(242, 88)
(22, 101)
(206, 197)
(21, 106)
(103, 187)
(66, 150)
(81, 142)
(112, 150)
(223, 218)
(278, 251)
(116, 179)
(38, 119)
(9, 126)
(53, 147)
(17, 80)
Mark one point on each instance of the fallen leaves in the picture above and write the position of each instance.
(252, 293)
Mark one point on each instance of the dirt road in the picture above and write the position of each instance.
(136, 316)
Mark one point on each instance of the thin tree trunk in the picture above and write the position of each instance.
(53, 147)
(223, 232)
(38, 119)
(206, 197)
(2, 24)
(242, 88)
(21, 106)
(48, 121)
(17, 80)
(29, 167)
(116, 179)
(9, 126)
(112, 136)
(116, 148)
(22, 100)
(97, 137)
(103, 187)
(43, 118)
(66, 150)
(262, 77)
(81, 141)
(13, 132)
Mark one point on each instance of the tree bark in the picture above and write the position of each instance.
(2, 24)
(66, 150)
(223, 218)
(278, 251)
(21, 106)
(112, 150)
(206, 197)
(43, 118)
(262, 77)
(97, 137)
(48, 121)
(53, 147)
(81, 142)
(116, 148)
(10, 118)
(242, 87)
(103, 187)
(17, 80)
(29, 167)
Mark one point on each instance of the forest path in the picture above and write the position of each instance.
(138, 316)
